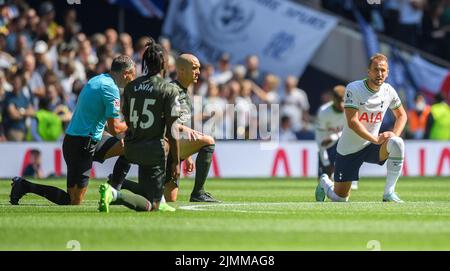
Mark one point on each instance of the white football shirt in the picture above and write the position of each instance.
(329, 123)
(372, 106)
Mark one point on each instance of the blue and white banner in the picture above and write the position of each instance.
(147, 8)
(285, 35)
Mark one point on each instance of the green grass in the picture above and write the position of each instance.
(271, 214)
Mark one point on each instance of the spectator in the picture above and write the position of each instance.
(16, 109)
(47, 125)
(32, 22)
(22, 48)
(433, 29)
(268, 94)
(98, 40)
(6, 60)
(295, 104)
(112, 41)
(33, 78)
(67, 53)
(252, 70)
(239, 73)
(169, 57)
(245, 101)
(214, 111)
(41, 32)
(438, 124)
(86, 57)
(5, 86)
(67, 78)
(286, 131)
(126, 44)
(410, 21)
(71, 25)
(141, 45)
(223, 73)
(47, 14)
(34, 169)
(43, 63)
(417, 118)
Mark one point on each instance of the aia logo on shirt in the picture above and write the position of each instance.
(371, 117)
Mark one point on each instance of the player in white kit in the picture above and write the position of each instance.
(365, 104)
(328, 129)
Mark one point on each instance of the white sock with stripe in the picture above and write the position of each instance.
(394, 163)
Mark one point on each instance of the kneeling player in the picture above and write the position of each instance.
(329, 123)
(85, 140)
(191, 141)
(150, 107)
(366, 102)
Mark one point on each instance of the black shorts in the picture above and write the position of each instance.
(80, 152)
(103, 146)
(150, 152)
(331, 152)
(346, 167)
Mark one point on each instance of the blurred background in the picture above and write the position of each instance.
(254, 52)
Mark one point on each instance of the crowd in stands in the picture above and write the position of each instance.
(424, 24)
(44, 65)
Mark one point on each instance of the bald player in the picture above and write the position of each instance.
(329, 123)
(191, 142)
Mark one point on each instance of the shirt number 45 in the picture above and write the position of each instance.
(134, 117)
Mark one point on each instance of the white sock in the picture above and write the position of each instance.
(328, 186)
(394, 163)
(163, 199)
(114, 193)
(394, 170)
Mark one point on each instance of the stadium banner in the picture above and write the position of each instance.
(430, 78)
(241, 160)
(285, 35)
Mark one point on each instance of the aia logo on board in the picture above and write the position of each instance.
(371, 117)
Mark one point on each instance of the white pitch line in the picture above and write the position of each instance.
(216, 207)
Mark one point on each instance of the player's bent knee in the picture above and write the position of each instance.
(396, 147)
(208, 140)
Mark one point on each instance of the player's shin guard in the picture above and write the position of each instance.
(394, 163)
(202, 164)
(121, 168)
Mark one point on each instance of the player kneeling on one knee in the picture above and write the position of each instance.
(365, 104)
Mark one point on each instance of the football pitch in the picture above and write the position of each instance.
(256, 214)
